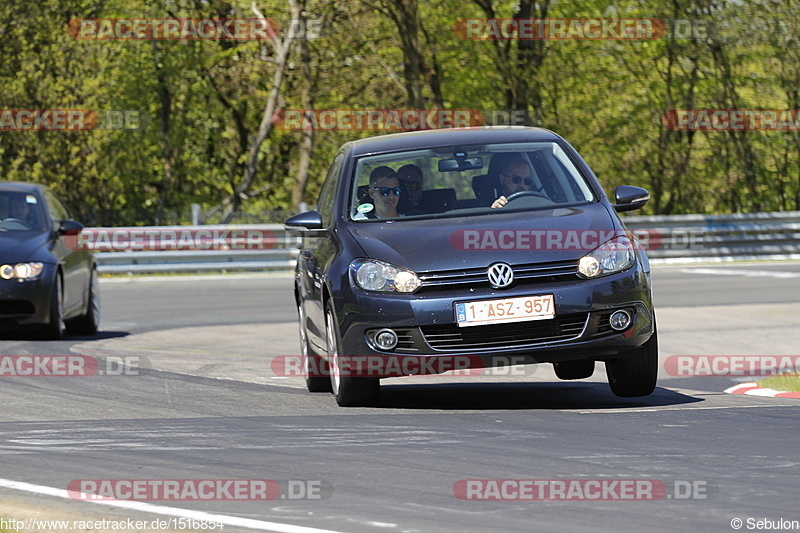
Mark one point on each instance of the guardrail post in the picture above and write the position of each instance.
(195, 214)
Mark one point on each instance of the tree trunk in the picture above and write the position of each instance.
(164, 115)
(282, 49)
(306, 88)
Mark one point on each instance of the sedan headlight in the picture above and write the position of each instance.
(613, 256)
(374, 275)
(21, 271)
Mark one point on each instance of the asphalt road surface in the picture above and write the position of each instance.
(212, 407)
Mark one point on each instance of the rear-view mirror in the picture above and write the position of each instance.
(460, 164)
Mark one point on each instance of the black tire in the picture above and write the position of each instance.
(89, 322)
(54, 329)
(313, 370)
(574, 369)
(636, 375)
(349, 391)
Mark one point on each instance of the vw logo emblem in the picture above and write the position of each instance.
(500, 275)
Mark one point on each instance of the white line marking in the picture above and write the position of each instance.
(745, 273)
(234, 521)
(656, 409)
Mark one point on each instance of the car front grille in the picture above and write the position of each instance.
(475, 277)
(603, 323)
(450, 337)
(405, 340)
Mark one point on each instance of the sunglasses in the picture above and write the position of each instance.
(385, 191)
(516, 180)
(413, 186)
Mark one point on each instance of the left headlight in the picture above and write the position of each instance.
(21, 271)
(611, 257)
(374, 275)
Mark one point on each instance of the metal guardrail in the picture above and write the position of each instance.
(182, 261)
(721, 237)
(275, 249)
(667, 238)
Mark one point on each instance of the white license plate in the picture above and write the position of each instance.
(484, 312)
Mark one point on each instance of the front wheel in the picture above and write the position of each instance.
(349, 391)
(635, 375)
(54, 329)
(313, 365)
(89, 322)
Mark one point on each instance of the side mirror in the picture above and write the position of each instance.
(69, 227)
(308, 221)
(630, 198)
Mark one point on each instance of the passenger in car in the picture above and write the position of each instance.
(384, 190)
(412, 182)
(514, 175)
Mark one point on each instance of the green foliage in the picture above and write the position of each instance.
(785, 383)
(200, 102)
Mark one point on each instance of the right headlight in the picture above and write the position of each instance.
(374, 275)
(610, 257)
(21, 271)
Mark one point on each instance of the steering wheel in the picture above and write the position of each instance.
(523, 194)
(15, 221)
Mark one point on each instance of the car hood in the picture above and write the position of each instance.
(521, 237)
(16, 246)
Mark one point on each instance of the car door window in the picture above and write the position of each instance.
(55, 208)
(328, 192)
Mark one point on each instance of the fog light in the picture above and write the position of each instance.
(620, 320)
(386, 339)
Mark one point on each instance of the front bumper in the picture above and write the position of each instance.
(426, 325)
(26, 302)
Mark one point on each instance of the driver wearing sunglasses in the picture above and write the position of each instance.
(385, 191)
(514, 177)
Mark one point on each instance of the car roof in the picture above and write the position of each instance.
(21, 187)
(448, 137)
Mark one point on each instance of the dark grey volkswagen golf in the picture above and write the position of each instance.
(470, 248)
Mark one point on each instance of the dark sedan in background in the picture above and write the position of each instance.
(431, 251)
(44, 283)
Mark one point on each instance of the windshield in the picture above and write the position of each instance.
(464, 181)
(20, 212)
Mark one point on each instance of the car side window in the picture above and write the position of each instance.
(328, 192)
(55, 208)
